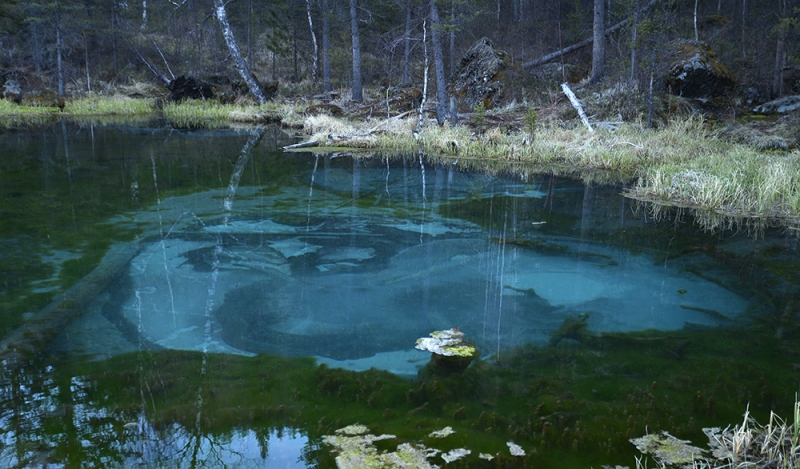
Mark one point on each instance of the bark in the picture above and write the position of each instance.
(326, 47)
(452, 37)
(599, 42)
(407, 45)
(236, 54)
(780, 53)
(144, 14)
(438, 65)
(577, 105)
(314, 40)
(696, 36)
(634, 40)
(59, 47)
(357, 93)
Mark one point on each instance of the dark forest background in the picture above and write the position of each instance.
(100, 45)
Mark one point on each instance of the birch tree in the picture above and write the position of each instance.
(236, 54)
(314, 40)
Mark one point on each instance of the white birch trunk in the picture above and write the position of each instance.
(236, 54)
(314, 40)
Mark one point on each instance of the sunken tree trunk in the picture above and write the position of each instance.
(233, 47)
(357, 93)
(438, 65)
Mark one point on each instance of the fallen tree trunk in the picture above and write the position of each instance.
(554, 55)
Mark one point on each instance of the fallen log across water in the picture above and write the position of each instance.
(27, 341)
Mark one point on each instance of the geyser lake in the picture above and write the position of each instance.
(254, 301)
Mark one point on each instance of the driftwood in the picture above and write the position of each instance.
(554, 55)
(338, 139)
(308, 144)
(577, 105)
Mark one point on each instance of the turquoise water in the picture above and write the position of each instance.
(240, 250)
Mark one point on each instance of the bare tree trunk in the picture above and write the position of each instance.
(780, 53)
(357, 93)
(326, 47)
(452, 36)
(314, 40)
(744, 25)
(696, 36)
(438, 65)
(144, 14)
(634, 40)
(249, 33)
(599, 43)
(407, 45)
(236, 54)
(114, 38)
(59, 47)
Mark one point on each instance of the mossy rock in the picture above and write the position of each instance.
(695, 71)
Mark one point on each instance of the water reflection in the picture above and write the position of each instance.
(241, 251)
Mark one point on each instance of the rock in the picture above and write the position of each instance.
(780, 106)
(694, 71)
(449, 352)
(185, 87)
(484, 75)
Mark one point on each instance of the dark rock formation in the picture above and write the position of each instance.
(185, 87)
(694, 71)
(484, 75)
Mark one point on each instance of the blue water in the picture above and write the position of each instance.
(348, 259)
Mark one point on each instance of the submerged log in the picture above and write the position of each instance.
(23, 345)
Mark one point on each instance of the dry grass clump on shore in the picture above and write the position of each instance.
(746, 446)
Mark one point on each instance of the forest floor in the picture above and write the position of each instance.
(733, 168)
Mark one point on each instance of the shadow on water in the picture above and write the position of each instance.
(271, 299)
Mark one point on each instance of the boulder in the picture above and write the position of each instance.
(779, 106)
(694, 71)
(484, 75)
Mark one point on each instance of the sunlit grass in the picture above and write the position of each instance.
(97, 105)
(213, 114)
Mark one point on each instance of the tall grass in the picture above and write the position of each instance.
(97, 105)
(213, 114)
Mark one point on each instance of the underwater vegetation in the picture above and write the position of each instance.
(572, 405)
